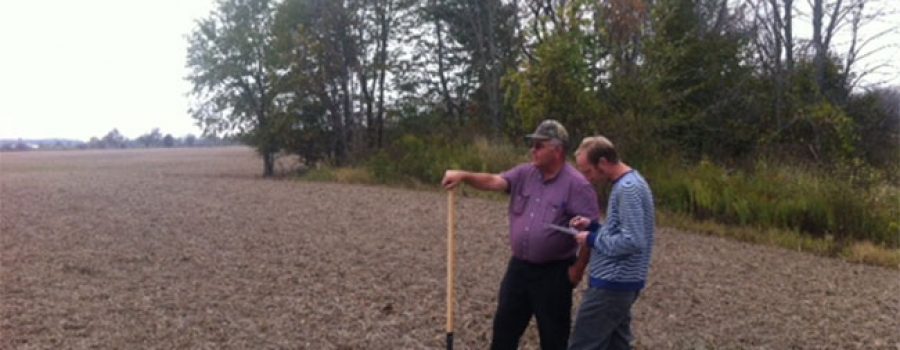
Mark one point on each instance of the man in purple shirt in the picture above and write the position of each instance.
(543, 268)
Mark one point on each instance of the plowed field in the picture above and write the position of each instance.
(191, 249)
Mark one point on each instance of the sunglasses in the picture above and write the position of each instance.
(538, 145)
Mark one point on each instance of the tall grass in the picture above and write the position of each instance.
(782, 196)
(412, 158)
(767, 196)
(771, 203)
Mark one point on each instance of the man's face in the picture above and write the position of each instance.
(543, 152)
(592, 173)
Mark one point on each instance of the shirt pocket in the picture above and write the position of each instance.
(520, 201)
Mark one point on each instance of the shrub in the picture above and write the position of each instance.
(425, 159)
(779, 197)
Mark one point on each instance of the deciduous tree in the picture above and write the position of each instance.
(233, 74)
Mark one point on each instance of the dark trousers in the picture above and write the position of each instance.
(542, 290)
(604, 320)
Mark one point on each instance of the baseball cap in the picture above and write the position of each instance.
(549, 129)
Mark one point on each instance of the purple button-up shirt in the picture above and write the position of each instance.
(533, 203)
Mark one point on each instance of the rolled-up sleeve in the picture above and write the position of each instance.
(513, 177)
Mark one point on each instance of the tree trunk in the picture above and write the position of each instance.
(370, 113)
(384, 18)
(788, 80)
(822, 39)
(445, 92)
(789, 36)
(347, 106)
(268, 164)
(335, 119)
(368, 102)
(778, 69)
(363, 75)
(347, 56)
(492, 67)
(820, 51)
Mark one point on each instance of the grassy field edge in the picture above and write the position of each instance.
(854, 252)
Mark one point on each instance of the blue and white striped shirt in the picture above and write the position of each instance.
(622, 246)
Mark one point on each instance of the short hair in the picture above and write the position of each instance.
(596, 147)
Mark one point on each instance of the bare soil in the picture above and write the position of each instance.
(190, 248)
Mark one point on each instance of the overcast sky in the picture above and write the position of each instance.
(79, 68)
(76, 69)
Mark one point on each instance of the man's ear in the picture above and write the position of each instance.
(603, 162)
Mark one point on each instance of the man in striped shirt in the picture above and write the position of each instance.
(620, 249)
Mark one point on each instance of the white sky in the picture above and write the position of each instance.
(76, 69)
(79, 68)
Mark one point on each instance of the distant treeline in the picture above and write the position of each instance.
(114, 139)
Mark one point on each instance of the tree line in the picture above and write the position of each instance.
(153, 139)
(114, 139)
(732, 81)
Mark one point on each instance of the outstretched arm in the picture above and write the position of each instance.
(481, 181)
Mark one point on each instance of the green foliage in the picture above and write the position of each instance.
(834, 88)
(826, 125)
(876, 115)
(315, 51)
(233, 71)
(817, 128)
(478, 45)
(779, 197)
(324, 174)
(696, 67)
(425, 160)
(554, 86)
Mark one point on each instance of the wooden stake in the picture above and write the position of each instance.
(451, 264)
